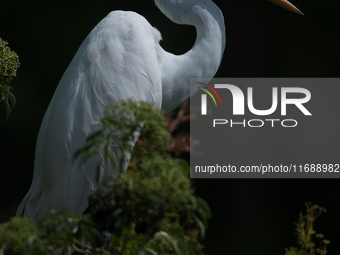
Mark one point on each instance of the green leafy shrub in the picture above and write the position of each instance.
(117, 134)
(55, 234)
(305, 233)
(149, 209)
(153, 186)
(9, 63)
(154, 197)
(19, 236)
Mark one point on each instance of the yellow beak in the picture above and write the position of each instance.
(287, 5)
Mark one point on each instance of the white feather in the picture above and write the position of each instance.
(120, 59)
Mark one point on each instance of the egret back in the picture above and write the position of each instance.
(118, 60)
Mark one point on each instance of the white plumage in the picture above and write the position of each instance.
(113, 62)
(120, 59)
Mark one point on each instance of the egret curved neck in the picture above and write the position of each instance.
(202, 61)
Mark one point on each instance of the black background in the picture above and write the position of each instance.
(263, 40)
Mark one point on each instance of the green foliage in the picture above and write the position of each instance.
(19, 236)
(154, 186)
(117, 133)
(305, 233)
(151, 207)
(149, 210)
(55, 234)
(59, 228)
(9, 63)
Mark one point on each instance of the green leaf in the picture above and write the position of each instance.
(200, 225)
(150, 251)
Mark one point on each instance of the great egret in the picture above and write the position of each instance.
(120, 59)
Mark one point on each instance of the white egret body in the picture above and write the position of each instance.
(120, 59)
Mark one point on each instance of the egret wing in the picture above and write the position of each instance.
(118, 60)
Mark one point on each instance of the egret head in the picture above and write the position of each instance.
(287, 5)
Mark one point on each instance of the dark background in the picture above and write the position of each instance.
(263, 40)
